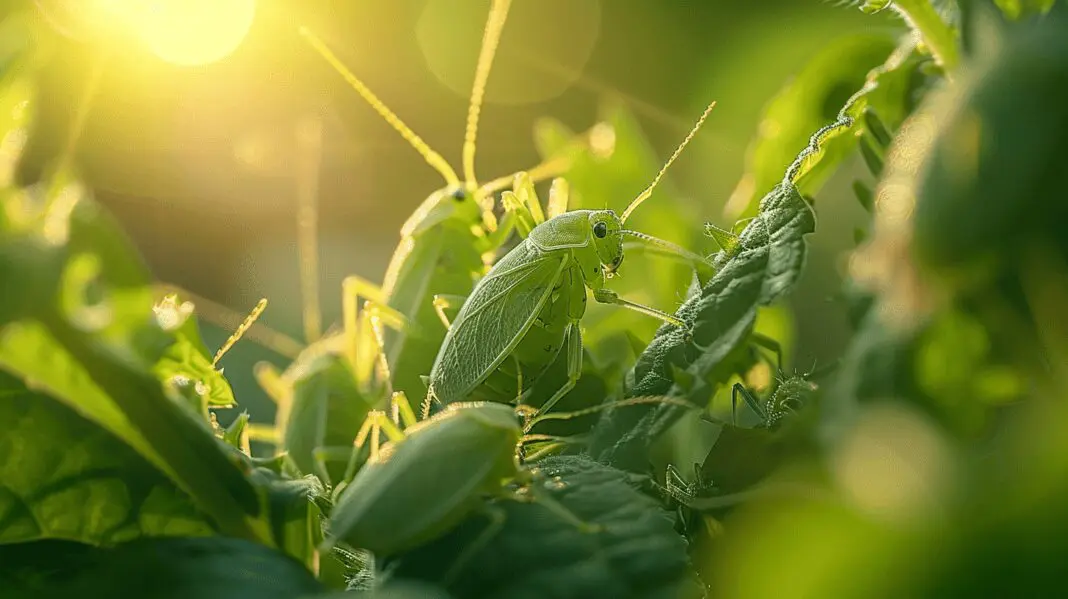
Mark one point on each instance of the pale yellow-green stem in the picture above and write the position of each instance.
(933, 31)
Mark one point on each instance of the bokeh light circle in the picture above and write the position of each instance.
(192, 32)
(544, 47)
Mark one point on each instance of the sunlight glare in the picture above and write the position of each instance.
(188, 32)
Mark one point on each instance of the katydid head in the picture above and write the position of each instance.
(605, 229)
(454, 203)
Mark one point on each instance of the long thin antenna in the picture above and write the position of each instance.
(649, 190)
(432, 158)
(224, 317)
(309, 133)
(490, 38)
(251, 318)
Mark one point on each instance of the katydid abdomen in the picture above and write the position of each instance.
(540, 345)
(521, 315)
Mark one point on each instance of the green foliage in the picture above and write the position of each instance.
(761, 268)
(929, 461)
(808, 102)
(161, 567)
(65, 478)
(539, 554)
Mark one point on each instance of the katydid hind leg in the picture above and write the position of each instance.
(323, 454)
(371, 351)
(497, 517)
(544, 497)
(674, 481)
(428, 402)
(355, 288)
(444, 302)
(573, 347)
(361, 346)
(270, 380)
(368, 431)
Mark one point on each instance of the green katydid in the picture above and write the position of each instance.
(185, 366)
(410, 491)
(528, 308)
(446, 245)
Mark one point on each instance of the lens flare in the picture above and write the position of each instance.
(187, 32)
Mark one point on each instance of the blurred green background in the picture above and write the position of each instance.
(198, 162)
(941, 482)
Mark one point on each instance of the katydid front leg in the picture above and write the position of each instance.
(739, 389)
(607, 296)
(369, 436)
(518, 212)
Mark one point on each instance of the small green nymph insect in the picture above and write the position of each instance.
(529, 306)
(792, 393)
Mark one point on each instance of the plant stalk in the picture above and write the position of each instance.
(933, 31)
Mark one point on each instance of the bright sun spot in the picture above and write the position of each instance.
(188, 32)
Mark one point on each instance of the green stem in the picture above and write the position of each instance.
(938, 36)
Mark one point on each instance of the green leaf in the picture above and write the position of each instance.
(763, 267)
(81, 328)
(63, 477)
(742, 457)
(16, 114)
(1018, 9)
(991, 155)
(294, 513)
(164, 568)
(887, 92)
(538, 554)
(392, 589)
(873, 6)
(808, 102)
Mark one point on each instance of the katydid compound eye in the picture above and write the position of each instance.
(459, 195)
(600, 230)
